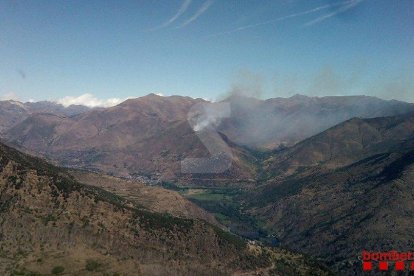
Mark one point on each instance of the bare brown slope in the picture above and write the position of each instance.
(14, 112)
(50, 223)
(152, 198)
(344, 144)
(11, 113)
(151, 136)
(146, 136)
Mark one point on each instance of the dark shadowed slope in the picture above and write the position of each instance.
(347, 189)
(337, 214)
(345, 144)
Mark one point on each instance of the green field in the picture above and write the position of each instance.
(226, 205)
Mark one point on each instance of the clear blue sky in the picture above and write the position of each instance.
(204, 48)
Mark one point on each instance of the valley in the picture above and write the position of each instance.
(206, 138)
(321, 196)
(50, 223)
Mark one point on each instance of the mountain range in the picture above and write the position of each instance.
(13, 112)
(52, 224)
(344, 190)
(151, 135)
(327, 177)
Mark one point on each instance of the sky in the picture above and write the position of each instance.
(102, 52)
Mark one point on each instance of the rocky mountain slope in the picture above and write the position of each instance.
(345, 144)
(330, 195)
(150, 136)
(152, 198)
(52, 224)
(353, 190)
(14, 112)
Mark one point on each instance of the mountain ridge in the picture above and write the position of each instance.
(334, 204)
(151, 135)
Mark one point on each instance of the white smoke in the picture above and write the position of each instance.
(205, 115)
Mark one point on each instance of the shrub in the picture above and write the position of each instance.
(92, 265)
(58, 270)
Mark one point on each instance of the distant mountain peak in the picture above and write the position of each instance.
(20, 104)
(300, 96)
(154, 95)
